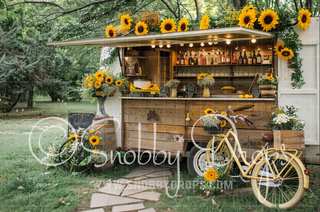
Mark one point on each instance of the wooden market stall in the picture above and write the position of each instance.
(155, 59)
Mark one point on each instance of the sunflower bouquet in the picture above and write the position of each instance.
(104, 83)
(209, 181)
(205, 80)
(267, 79)
(213, 124)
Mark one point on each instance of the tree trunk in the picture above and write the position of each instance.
(198, 10)
(30, 98)
(243, 3)
(309, 5)
(236, 4)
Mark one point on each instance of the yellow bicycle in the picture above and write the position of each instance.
(278, 177)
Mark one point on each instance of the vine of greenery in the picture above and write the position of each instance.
(113, 54)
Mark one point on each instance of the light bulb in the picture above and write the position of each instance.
(253, 40)
(228, 42)
(191, 44)
(160, 45)
(181, 44)
(202, 44)
(210, 43)
(215, 41)
(168, 45)
(153, 46)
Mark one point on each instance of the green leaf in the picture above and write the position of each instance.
(86, 161)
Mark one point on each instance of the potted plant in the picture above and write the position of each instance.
(206, 81)
(173, 84)
(267, 84)
(287, 127)
(212, 124)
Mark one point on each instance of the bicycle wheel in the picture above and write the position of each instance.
(221, 160)
(284, 192)
(75, 163)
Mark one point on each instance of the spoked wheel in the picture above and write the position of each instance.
(196, 162)
(219, 158)
(284, 192)
(80, 161)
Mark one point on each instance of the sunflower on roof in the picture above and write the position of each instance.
(205, 22)
(141, 28)
(268, 20)
(111, 31)
(247, 19)
(168, 25)
(278, 47)
(286, 54)
(126, 21)
(183, 25)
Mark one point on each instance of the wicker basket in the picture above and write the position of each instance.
(214, 130)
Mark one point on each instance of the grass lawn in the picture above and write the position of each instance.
(52, 189)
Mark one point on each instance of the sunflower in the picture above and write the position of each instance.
(224, 113)
(201, 76)
(211, 175)
(72, 137)
(84, 84)
(208, 111)
(210, 76)
(270, 78)
(95, 151)
(251, 8)
(126, 21)
(90, 83)
(97, 84)
(94, 140)
(247, 19)
(304, 19)
(109, 80)
(168, 25)
(183, 25)
(223, 123)
(111, 31)
(87, 78)
(278, 47)
(141, 28)
(205, 22)
(268, 19)
(98, 74)
(286, 54)
(118, 83)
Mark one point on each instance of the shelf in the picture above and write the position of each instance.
(135, 75)
(217, 76)
(140, 57)
(223, 65)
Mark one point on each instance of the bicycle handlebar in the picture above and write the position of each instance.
(243, 118)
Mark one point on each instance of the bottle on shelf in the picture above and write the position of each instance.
(234, 59)
(195, 59)
(240, 59)
(215, 59)
(258, 57)
(182, 59)
(178, 59)
(208, 59)
(211, 59)
(223, 58)
(228, 59)
(254, 58)
(186, 59)
(250, 59)
(203, 59)
(199, 58)
(244, 59)
(190, 60)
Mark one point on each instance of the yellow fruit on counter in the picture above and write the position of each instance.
(240, 96)
(251, 96)
(246, 96)
(227, 88)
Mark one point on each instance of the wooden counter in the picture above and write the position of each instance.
(174, 132)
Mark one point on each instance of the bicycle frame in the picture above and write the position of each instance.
(262, 153)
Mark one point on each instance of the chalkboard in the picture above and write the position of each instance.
(80, 120)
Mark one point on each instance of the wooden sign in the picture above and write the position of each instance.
(80, 120)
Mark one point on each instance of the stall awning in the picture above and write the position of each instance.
(196, 36)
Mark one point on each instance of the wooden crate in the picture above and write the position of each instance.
(292, 139)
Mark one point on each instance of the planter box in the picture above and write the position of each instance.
(292, 139)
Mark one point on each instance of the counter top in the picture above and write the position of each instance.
(201, 99)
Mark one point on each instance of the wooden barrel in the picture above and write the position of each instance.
(107, 136)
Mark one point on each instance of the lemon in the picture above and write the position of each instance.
(240, 96)
(246, 96)
(251, 96)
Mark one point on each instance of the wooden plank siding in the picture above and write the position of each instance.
(172, 124)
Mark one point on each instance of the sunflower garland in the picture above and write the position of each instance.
(126, 21)
(211, 175)
(183, 25)
(109, 80)
(94, 140)
(141, 28)
(168, 25)
(286, 54)
(268, 19)
(97, 84)
(208, 111)
(304, 19)
(247, 19)
(118, 83)
(205, 22)
(251, 8)
(111, 31)
(278, 47)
